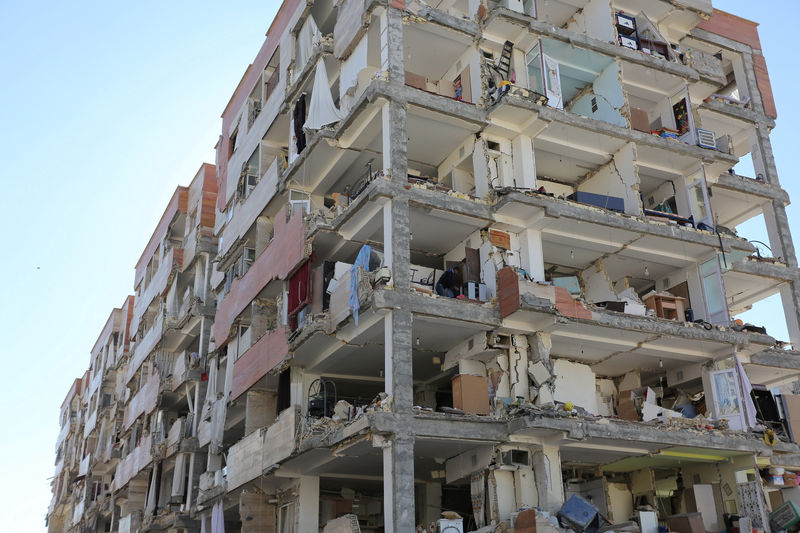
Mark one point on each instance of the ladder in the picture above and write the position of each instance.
(504, 67)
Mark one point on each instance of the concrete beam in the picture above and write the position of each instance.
(584, 41)
(581, 429)
(564, 208)
(788, 359)
(655, 326)
(448, 308)
(444, 426)
(750, 186)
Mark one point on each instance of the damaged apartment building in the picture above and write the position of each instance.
(461, 265)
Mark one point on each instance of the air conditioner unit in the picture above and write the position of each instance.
(706, 139)
(516, 458)
(251, 181)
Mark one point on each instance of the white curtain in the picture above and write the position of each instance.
(217, 518)
(308, 36)
(322, 110)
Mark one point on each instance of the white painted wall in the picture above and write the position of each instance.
(575, 382)
(596, 20)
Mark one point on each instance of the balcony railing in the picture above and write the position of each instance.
(145, 346)
(157, 285)
(143, 401)
(91, 423)
(65, 429)
(83, 469)
(263, 448)
(133, 463)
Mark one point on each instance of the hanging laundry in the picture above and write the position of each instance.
(361, 261)
(298, 116)
(217, 518)
(322, 110)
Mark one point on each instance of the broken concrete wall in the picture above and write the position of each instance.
(606, 100)
(617, 178)
(594, 20)
(596, 284)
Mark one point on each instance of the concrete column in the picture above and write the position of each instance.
(193, 484)
(504, 501)
(532, 255)
(398, 362)
(260, 407)
(524, 162)
(773, 233)
(392, 45)
(480, 168)
(518, 367)
(790, 297)
(429, 501)
(400, 242)
(395, 140)
(547, 469)
(388, 226)
(398, 483)
(307, 509)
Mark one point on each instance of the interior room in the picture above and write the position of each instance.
(580, 81)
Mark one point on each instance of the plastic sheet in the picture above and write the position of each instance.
(322, 110)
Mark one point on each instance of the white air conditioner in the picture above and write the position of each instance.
(706, 139)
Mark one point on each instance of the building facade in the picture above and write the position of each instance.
(466, 256)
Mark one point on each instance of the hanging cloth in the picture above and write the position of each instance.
(361, 261)
(217, 518)
(322, 110)
(308, 36)
(477, 488)
(298, 116)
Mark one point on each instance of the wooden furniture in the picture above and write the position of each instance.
(667, 306)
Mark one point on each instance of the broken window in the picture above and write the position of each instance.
(299, 201)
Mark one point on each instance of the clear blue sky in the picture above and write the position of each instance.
(106, 107)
